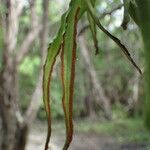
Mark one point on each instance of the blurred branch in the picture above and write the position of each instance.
(37, 94)
(11, 26)
(20, 7)
(31, 36)
(25, 46)
(44, 33)
(99, 95)
(34, 105)
(85, 27)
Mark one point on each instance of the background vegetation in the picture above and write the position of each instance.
(119, 84)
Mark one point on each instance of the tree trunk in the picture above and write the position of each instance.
(12, 122)
(14, 126)
(144, 15)
(89, 101)
(90, 111)
(37, 94)
(97, 90)
(133, 100)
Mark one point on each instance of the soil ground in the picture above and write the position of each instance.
(81, 141)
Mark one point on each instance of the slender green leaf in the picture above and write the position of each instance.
(116, 40)
(53, 51)
(94, 32)
(126, 18)
(133, 11)
(66, 40)
(68, 58)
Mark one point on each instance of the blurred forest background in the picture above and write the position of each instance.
(109, 92)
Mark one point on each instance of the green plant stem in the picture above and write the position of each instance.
(144, 13)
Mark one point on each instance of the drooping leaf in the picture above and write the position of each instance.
(65, 37)
(91, 22)
(115, 39)
(53, 51)
(83, 7)
(133, 11)
(126, 17)
(94, 33)
(66, 40)
(68, 58)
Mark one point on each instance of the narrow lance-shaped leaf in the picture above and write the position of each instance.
(66, 38)
(116, 40)
(126, 17)
(93, 29)
(133, 11)
(94, 32)
(68, 58)
(83, 7)
(53, 51)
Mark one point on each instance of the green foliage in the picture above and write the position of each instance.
(66, 39)
(29, 64)
(144, 18)
(133, 12)
(112, 71)
(124, 130)
(126, 18)
(140, 13)
(28, 74)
